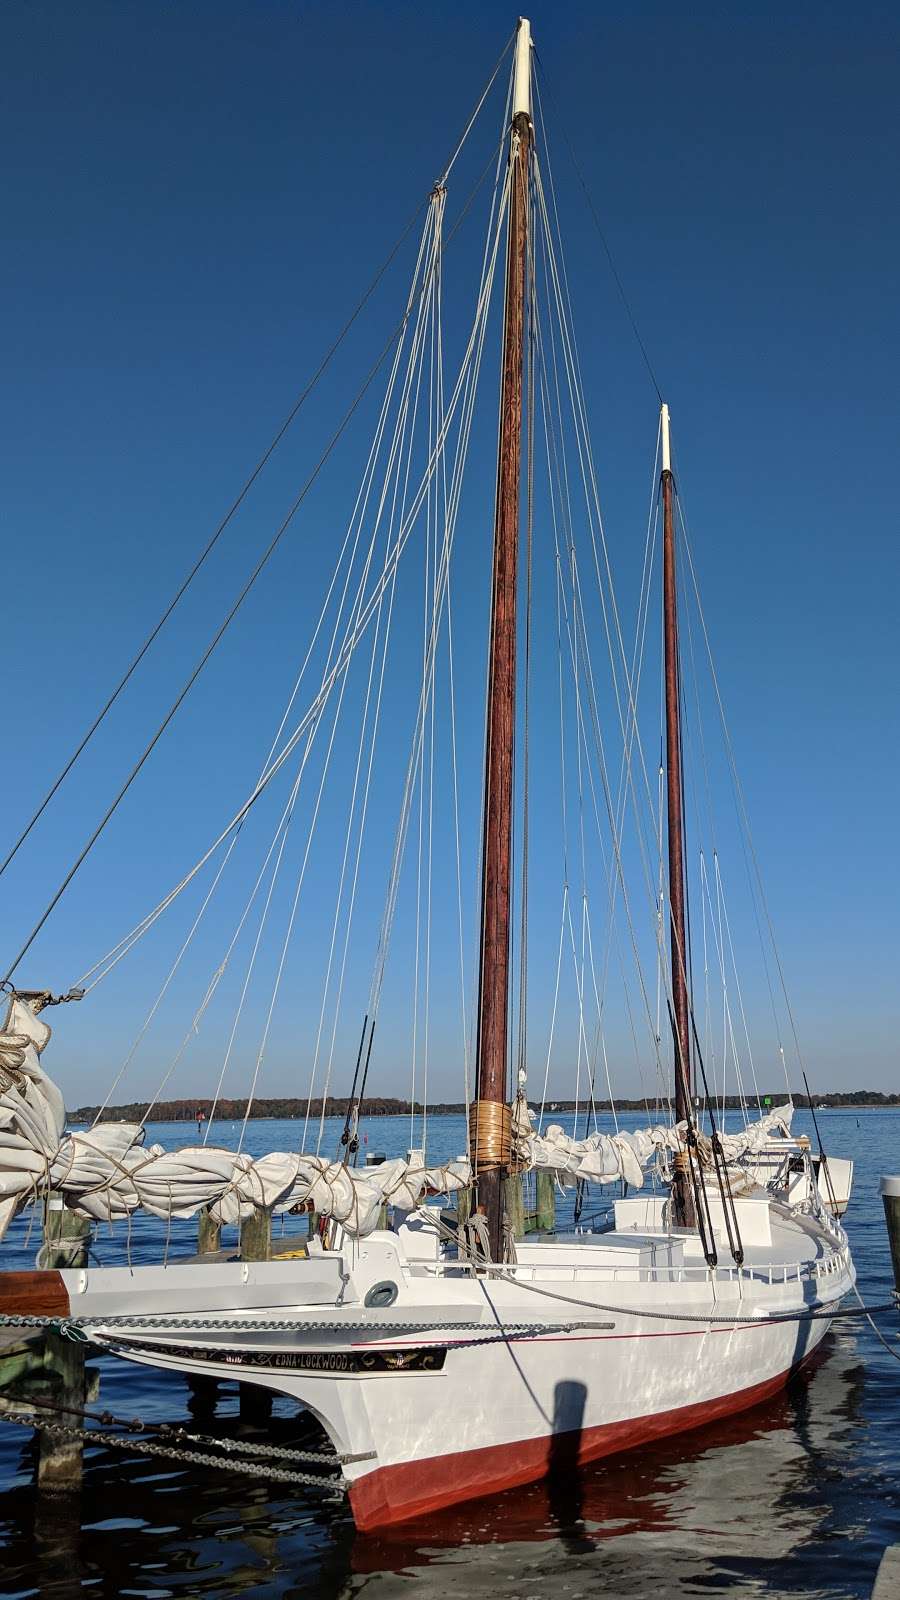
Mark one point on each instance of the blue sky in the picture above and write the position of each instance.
(196, 195)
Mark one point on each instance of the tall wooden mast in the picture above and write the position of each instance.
(681, 1020)
(489, 1130)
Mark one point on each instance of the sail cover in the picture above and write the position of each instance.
(109, 1172)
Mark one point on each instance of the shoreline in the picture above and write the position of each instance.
(86, 1116)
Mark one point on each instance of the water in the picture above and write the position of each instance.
(797, 1497)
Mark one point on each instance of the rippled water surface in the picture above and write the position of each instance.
(797, 1497)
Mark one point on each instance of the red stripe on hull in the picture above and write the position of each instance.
(395, 1494)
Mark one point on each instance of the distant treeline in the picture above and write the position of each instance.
(380, 1106)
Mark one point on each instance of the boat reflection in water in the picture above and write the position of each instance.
(752, 1501)
(734, 1499)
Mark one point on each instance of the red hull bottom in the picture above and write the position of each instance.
(395, 1494)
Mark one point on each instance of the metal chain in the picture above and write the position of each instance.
(70, 1327)
(133, 1425)
(74, 1327)
(275, 1452)
(143, 1447)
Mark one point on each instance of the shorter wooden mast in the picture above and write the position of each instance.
(489, 1133)
(682, 1192)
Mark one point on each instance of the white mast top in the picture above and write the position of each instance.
(664, 430)
(521, 100)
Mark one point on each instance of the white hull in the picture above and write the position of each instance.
(438, 1413)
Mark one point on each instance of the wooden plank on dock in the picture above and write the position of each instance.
(887, 1582)
(34, 1294)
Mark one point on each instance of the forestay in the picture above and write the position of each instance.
(108, 1171)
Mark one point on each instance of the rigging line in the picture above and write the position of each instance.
(106, 963)
(561, 489)
(590, 489)
(614, 819)
(310, 835)
(262, 562)
(522, 1062)
(738, 787)
(589, 486)
(346, 652)
(581, 759)
(708, 1043)
(420, 781)
(456, 831)
(217, 533)
(720, 891)
(284, 823)
(727, 1021)
(562, 763)
(473, 371)
(596, 220)
(273, 746)
(720, 950)
(728, 1027)
(365, 799)
(263, 919)
(588, 471)
(615, 836)
(562, 929)
(165, 987)
(401, 446)
(439, 479)
(471, 122)
(257, 470)
(395, 474)
(725, 1001)
(637, 666)
(581, 745)
(270, 550)
(356, 519)
(404, 449)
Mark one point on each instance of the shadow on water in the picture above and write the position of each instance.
(564, 1492)
(794, 1498)
(754, 1503)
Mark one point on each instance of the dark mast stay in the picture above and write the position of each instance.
(489, 1133)
(681, 1019)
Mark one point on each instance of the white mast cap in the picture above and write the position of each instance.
(521, 100)
(664, 432)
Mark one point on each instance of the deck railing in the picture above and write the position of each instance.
(776, 1274)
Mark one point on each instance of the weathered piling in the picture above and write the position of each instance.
(890, 1195)
(545, 1201)
(254, 1403)
(514, 1202)
(66, 1240)
(256, 1235)
(209, 1233)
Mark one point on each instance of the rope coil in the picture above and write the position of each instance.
(490, 1135)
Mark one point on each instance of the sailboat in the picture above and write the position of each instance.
(445, 1355)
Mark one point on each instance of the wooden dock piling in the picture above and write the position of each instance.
(545, 1201)
(66, 1241)
(255, 1403)
(514, 1202)
(209, 1233)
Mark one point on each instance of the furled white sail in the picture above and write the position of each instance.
(108, 1171)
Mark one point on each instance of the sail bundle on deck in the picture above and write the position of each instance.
(107, 1172)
